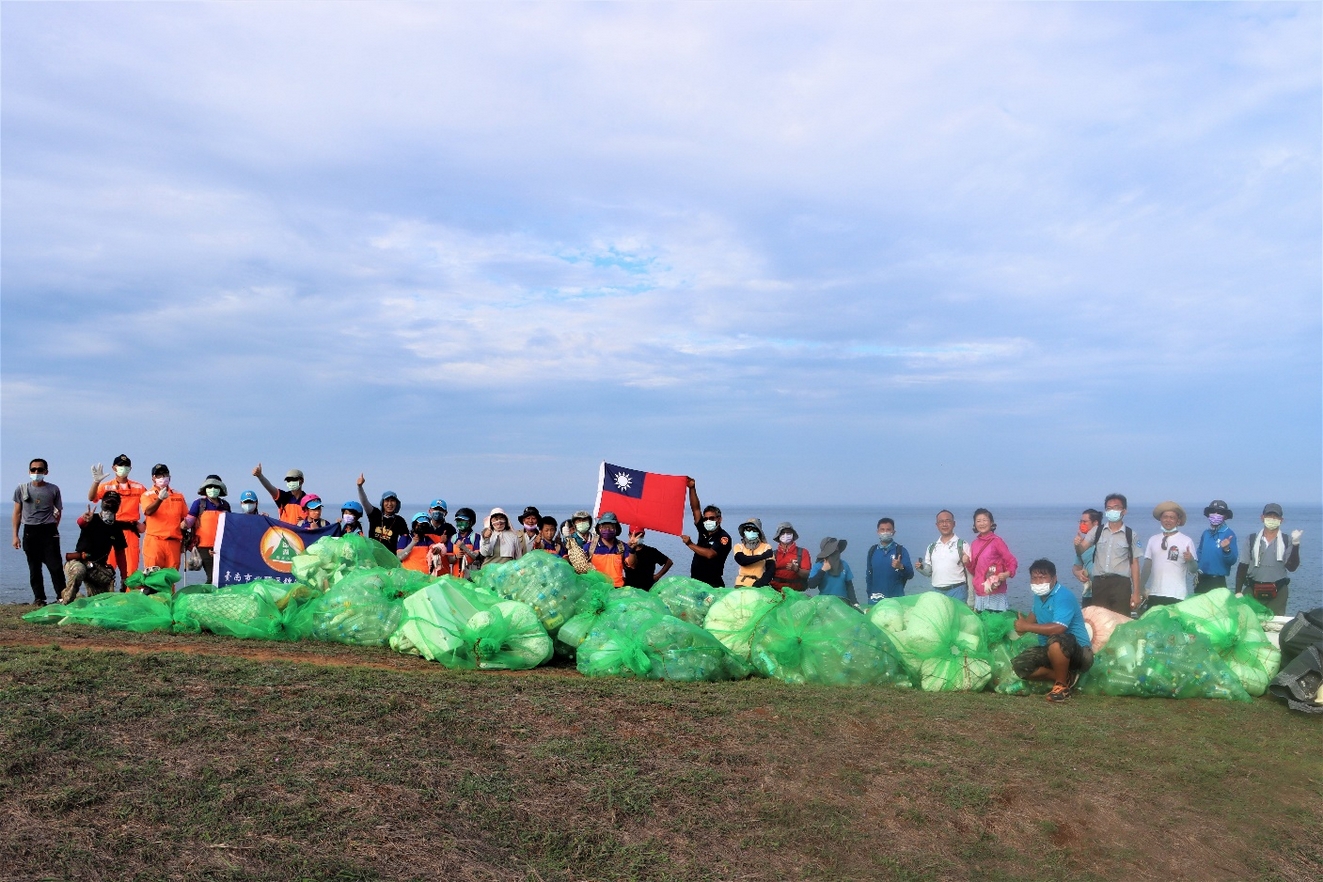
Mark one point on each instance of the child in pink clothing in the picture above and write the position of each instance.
(991, 564)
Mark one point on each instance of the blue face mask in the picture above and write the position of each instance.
(1113, 515)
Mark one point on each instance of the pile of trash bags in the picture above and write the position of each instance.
(521, 614)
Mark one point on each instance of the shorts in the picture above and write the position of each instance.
(1080, 657)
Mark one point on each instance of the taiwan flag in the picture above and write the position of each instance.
(642, 499)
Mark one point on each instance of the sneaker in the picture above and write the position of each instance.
(1059, 693)
(1072, 679)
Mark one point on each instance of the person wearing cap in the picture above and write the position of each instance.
(384, 524)
(713, 545)
(754, 556)
(351, 519)
(1218, 551)
(289, 502)
(436, 516)
(1269, 559)
(831, 575)
(887, 564)
(944, 561)
(1116, 557)
(312, 514)
(548, 537)
(643, 573)
(467, 543)
(1169, 558)
(499, 543)
(578, 529)
(442, 558)
(607, 554)
(37, 509)
(165, 510)
(88, 564)
(248, 502)
(791, 564)
(415, 549)
(127, 559)
(529, 520)
(204, 518)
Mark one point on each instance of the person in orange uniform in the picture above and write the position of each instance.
(415, 549)
(126, 559)
(204, 519)
(608, 554)
(289, 502)
(165, 510)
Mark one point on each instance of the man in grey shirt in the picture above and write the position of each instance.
(37, 506)
(1116, 558)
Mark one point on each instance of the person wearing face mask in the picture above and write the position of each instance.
(442, 558)
(312, 513)
(248, 502)
(831, 575)
(1083, 568)
(384, 524)
(1169, 558)
(530, 521)
(37, 509)
(1063, 652)
(754, 556)
(289, 502)
(643, 573)
(88, 563)
(203, 519)
(888, 566)
(436, 516)
(467, 542)
(129, 513)
(577, 535)
(713, 545)
(1269, 558)
(351, 519)
(1218, 551)
(415, 550)
(607, 553)
(499, 543)
(791, 563)
(165, 509)
(1116, 557)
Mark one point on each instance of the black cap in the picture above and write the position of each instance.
(531, 511)
(110, 501)
(122, 459)
(1272, 509)
(160, 469)
(1217, 506)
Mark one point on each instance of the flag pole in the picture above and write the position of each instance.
(601, 480)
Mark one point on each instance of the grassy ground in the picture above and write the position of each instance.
(193, 757)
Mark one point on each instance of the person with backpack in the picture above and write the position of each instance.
(1116, 557)
(1269, 558)
(887, 566)
(792, 562)
(754, 556)
(944, 560)
(203, 520)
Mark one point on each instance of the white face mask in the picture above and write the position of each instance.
(1271, 523)
(786, 538)
(582, 526)
(293, 486)
(36, 477)
(1041, 589)
(885, 538)
(709, 525)
(213, 493)
(121, 472)
(348, 518)
(161, 481)
(249, 507)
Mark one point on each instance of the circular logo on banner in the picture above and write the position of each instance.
(278, 548)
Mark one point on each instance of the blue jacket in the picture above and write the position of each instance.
(835, 584)
(880, 578)
(1213, 561)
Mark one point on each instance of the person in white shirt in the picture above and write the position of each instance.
(1170, 558)
(944, 560)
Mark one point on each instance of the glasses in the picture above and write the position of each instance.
(39, 472)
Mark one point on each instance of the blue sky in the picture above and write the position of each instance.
(807, 253)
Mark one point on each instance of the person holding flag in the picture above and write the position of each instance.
(203, 518)
(312, 513)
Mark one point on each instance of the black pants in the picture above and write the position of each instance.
(1207, 583)
(208, 556)
(41, 545)
(1112, 592)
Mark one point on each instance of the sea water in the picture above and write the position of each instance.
(1031, 532)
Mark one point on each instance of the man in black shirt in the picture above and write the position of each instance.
(713, 545)
(644, 573)
(384, 524)
(87, 562)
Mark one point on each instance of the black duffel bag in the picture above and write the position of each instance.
(1300, 633)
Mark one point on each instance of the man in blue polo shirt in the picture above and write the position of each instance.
(1063, 651)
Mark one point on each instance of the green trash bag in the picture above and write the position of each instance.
(363, 609)
(162, 580)
(329, 559)
(823, 640)
(599, 598)
(542, 580)
(688, 599)
(1155, 657)
(1235, 630)
(119, 611)
(252, 610)
(940, 641)
(1004, 645)
(461, 627)
(635, 640)
(733, 618)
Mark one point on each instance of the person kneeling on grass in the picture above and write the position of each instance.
(1063, 652)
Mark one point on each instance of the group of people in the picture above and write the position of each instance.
(155, 526)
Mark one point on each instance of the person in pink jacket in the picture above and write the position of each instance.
(991, 564)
